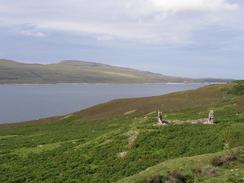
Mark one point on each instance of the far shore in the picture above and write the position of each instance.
(171, 83)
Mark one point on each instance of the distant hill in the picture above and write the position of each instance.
(81, 72)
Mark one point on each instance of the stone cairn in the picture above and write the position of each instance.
(161, 120)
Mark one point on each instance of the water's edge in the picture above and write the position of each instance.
(24, 102)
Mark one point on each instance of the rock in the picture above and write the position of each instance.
(161, 121)
(122, 154)
(211, 117)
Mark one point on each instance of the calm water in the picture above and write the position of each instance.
(26, 102)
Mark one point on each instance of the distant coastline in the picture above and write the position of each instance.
(169, 83)
(73, 72)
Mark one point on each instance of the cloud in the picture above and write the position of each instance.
(104, 38)
(193, 5)
(142, 8)
(32, 33)
(4, 8)
(149, 21)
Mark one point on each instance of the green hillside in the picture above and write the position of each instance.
(80, 72)
(120, 141)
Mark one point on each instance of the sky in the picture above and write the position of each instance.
(191, 38)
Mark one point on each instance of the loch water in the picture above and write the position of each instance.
(34, 101)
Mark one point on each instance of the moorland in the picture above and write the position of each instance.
(120, 141)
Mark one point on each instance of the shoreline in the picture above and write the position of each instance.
(36, 120)
(168, 83)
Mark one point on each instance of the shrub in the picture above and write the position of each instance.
(172, 177)
(176, 177)
(220, 161)
(154, 179)
(209, 171)
(238, 89)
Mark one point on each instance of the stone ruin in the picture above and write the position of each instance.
(211, 117)
(206, 121)
(209, 120)
(161, 120)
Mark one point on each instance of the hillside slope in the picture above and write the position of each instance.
(199, 166)
(199, 98)
(130, 147)
(80, 72)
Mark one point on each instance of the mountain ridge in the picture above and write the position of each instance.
(76, 71)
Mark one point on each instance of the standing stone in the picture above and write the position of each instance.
(211, 117)
(161, 120)
(160, 117)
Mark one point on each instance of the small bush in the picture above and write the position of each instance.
(209, 171)
(155, 179)
(220, 161)
(176, 177)
(172, 177)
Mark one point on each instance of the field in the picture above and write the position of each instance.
(120, 141)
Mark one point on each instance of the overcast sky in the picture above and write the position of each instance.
(193, 38)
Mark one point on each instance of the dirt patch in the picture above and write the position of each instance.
(196, 121)
(129, 112)
(200, 121)
(67, 116)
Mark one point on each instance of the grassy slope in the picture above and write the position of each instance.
(201, 98)
(76, 72)
(78, 149)
(230, 173)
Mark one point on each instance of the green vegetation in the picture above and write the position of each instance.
(238, 88)
(194, 169)
(111, 146)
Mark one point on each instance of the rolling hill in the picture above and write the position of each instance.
(121, 142)
(80, 72)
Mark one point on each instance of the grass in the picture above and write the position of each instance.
(187, 100)
(127, 148)
(237, 89)
(186, 165)
(7, 136)
(24, 152)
